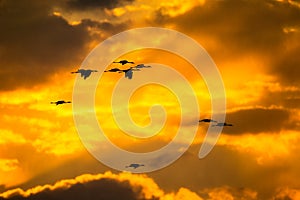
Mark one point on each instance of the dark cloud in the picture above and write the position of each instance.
(257, 120)
(65, 170)
(224, 166)
(245, 28)
(105, 188)
(95, 4)
(34, 43)
(288, 99)
(238, 24)
(2, 188)
(105, 26)
(287, 64)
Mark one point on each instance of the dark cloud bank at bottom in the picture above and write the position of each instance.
(104, 189)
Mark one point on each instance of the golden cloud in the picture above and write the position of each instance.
(287, 193)
(7, 165)
(8, 136)
(265, 147)
(143, 187)
(229, 193)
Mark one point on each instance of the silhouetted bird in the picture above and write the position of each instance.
(142, 66)
(113, 70)
(123, 62)
(223, 124)
(207, 120)
(129, 72)
(134, 165)
(60, 102)
(85, 73)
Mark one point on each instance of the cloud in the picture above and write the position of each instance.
(229, 193)
(286, 65)
(8, 136)
(45, 134)
(289, 99)
(125, 186)
(224, 166)
(240, 30)
(287, 194)
(279, 146)
(233, 29)
(101, 186)
(256, 120)
(178, 7)
(105, 26)
(8, 164)
(22, 162)
(95, 4)
(37, 42)
(182, 194)
(268, 93)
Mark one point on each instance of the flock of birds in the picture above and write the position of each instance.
(85, 73)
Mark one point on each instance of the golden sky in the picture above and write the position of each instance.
(255, 45)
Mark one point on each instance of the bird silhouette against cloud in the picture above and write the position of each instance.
(113, 70)
(60, 102)
(135, 165)
(139, 66)
(207, 120)
(123, 62)
(214, 121)
(85, 73)
(223, 124)
(128, 72)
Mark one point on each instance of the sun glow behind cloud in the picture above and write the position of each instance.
(147, 96)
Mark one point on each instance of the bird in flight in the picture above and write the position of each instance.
(223, 124)
(128, 72)
(207, 120)
(85, 73)
(114, 70)
(139, 66)
(60, 102)
(134, 165)
(123, 62)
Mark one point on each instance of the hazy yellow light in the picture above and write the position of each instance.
(264, 147)
(119, 11)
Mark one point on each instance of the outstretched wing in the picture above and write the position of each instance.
(129, 74)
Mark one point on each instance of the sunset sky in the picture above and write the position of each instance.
(255, 45)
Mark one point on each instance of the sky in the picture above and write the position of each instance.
(254, 44)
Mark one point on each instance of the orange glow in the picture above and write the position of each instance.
(266, 148)
(254, 46)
